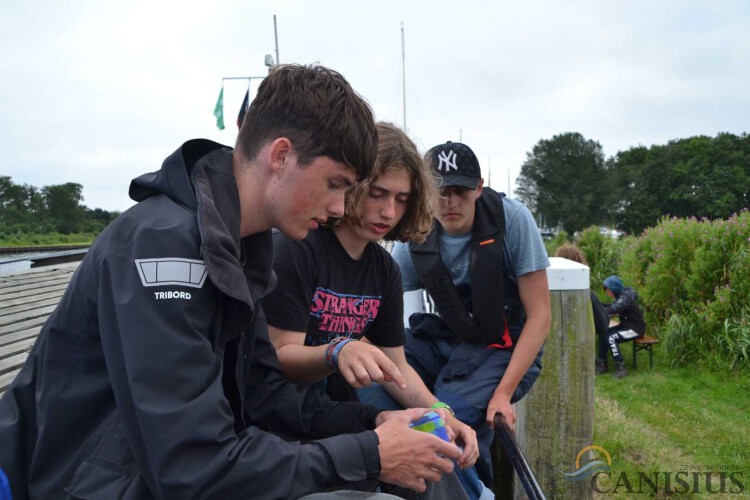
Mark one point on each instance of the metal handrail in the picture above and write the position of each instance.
(525, 474)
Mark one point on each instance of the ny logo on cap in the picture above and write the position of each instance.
(448, 160)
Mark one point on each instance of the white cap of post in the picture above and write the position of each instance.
(564, 274)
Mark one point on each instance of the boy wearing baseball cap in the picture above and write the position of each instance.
(484, 266)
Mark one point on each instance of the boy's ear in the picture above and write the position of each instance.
(279, 153)
(479, 186)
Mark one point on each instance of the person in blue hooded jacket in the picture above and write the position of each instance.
(630, 327)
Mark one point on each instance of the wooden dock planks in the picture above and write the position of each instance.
(26, 300)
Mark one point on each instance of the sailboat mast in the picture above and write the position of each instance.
(276, 39)
(489, 171)
(403, 71)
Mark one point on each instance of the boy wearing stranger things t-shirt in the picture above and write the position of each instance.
(336, 315)
(326, 293)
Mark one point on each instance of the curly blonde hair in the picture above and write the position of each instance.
(397, 152)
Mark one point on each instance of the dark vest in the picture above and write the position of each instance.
(489, 285)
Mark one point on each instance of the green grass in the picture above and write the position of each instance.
(49, 239)
(667, 420)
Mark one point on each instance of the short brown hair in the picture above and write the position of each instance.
(318, 111)
(397, 152)
(571, 252)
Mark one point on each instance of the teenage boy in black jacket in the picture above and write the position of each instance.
(155, 378)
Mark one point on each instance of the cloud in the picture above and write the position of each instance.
(100, 92)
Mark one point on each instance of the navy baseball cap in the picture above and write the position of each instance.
(456, 163)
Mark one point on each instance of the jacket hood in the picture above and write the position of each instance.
(173, 179)
(199, 177)
(614, 283)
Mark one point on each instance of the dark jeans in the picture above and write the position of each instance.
(611, 341)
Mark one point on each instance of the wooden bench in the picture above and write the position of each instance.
(644, 343)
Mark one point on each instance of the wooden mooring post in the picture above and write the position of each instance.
(556, 419)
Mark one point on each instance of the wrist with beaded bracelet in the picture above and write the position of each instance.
(332, 351)
(440, 404)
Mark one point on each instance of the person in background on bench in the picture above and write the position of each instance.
(630, 327)
(335, 316)
(601, 318)
(484, 265)
(155, 376)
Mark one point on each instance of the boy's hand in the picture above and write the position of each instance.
(410, 458)
(361, 364)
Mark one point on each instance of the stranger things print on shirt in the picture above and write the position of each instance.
(325, 293)
(342, 315)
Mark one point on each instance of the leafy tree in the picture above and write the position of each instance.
(64, 205)
(97, 219)
(564, 180)
(27, 210)
(695, 177)
(21, 206)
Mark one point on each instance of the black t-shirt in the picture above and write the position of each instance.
(326, 293)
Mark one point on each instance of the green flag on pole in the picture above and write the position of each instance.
(219, 110)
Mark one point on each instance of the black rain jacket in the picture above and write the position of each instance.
(154, 376)
(626, 305)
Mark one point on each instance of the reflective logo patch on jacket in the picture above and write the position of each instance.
(171, 271)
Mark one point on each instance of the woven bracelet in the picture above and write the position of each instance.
(331, 361)
(336, 349)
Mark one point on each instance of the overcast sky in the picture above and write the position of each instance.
(98, 92)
